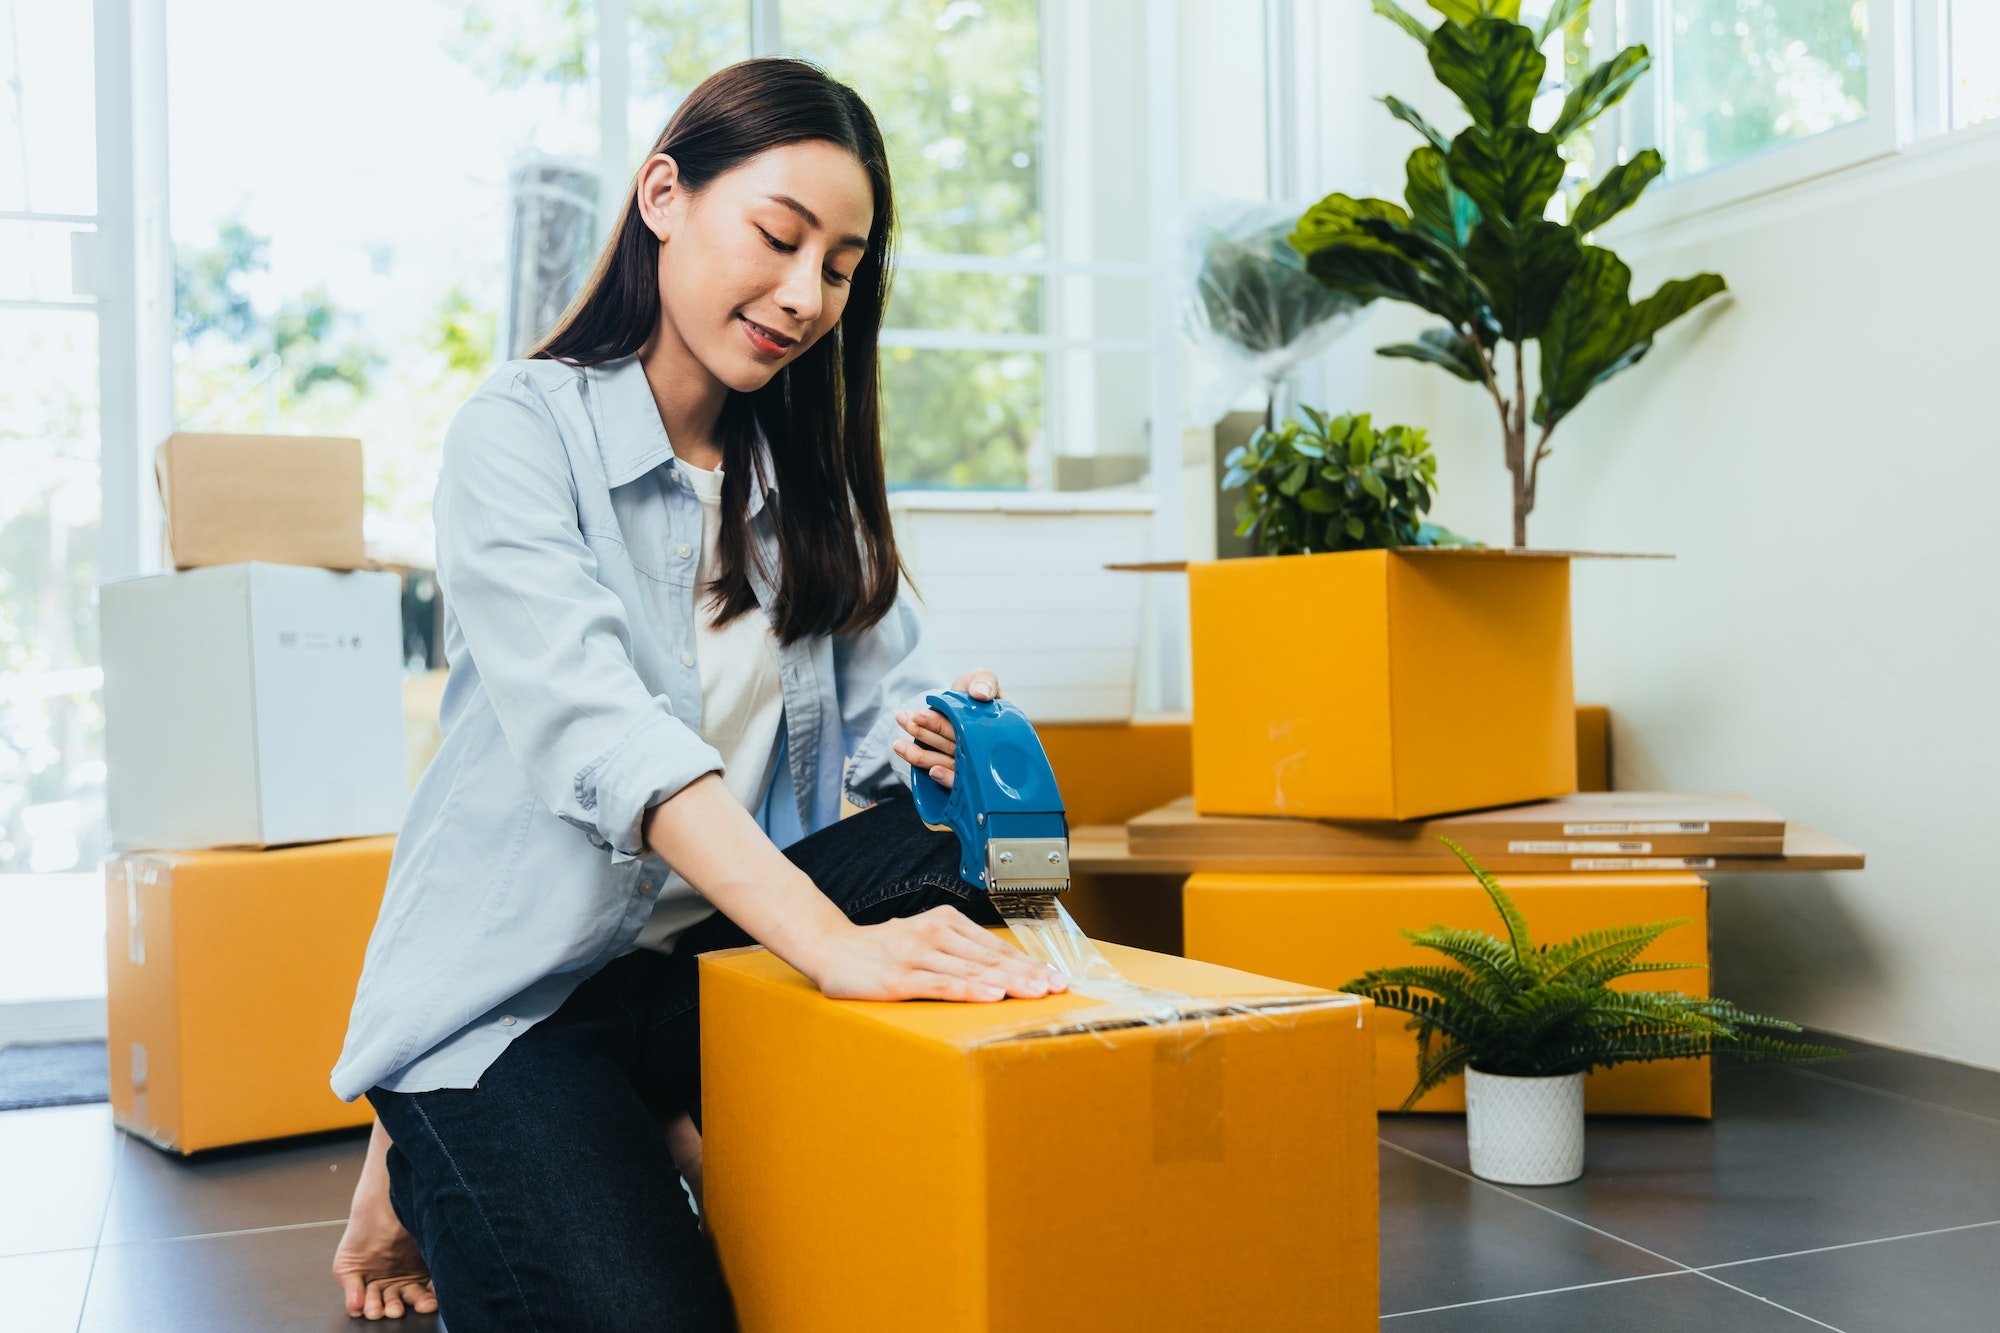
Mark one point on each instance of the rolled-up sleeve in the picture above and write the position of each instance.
(552, 646)
(876, 673)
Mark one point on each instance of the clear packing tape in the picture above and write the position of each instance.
(1047, 933)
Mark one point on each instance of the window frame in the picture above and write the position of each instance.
(767, 38)
(1901, 101)
(137, 295)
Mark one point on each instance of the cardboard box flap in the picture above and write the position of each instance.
(1459, 552)
(968, 1027)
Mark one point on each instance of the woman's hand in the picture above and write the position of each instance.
(379, 1268)
(935, 955)
(931, 747)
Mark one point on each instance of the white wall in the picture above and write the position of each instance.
(1819, 453)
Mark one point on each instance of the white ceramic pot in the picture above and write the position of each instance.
(1524, 1131)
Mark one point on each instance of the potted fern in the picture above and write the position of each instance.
(1525, 1023)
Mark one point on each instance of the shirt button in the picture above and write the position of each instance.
(506, 1020)
(645, 886)
(687, 657)
(596, 841)
(684, 550)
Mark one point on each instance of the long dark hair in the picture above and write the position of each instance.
(822, 413)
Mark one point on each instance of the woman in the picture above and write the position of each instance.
(674, 610)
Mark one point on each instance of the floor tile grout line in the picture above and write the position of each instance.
(220, 1235)
(54, 1249)
(1765, 1300)
(1547, 1291)
(1685, 1267)
(1848, 1245)
(1503, 1190)
(1818, 1077)
(104, 1216)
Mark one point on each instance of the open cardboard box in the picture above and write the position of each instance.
(1384, 684)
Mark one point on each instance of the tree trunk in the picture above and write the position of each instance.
(1518, 471)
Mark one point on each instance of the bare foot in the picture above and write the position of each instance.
(378, 1266)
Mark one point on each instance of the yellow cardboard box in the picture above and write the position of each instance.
(1109, 772)
(1325, 930)
(1037, 1165)
(231, 975)
(1381, 684)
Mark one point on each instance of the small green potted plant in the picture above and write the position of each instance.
(1335, 484)
(1525, 1023)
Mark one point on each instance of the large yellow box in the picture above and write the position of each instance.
(1037, 1165)
(1326, 930)
(231, 976)
(1109, 772)
(1381, 684)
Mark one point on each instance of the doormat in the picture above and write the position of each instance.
(57, 1073)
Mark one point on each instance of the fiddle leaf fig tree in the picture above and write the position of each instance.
(1472, 243)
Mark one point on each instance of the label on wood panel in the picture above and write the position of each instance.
(1617, 828)
(1579, 848)
(1643, 863)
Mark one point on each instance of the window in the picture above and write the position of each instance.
(342, 261)
(354, 265)
(51, 701)
(957, 91)
(1743, 76)
(1747, 96)
(1975, 62)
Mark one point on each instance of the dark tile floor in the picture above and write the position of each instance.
(1862, 1196)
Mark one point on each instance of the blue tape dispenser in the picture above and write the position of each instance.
(1003, 804)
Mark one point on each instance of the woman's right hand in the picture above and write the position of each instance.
(935, 955)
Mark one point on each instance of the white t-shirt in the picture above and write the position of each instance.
(742, 707)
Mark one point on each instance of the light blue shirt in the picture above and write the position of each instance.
(567, 543)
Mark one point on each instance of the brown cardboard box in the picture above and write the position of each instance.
(230, 979)
(283, 499)
(1031, 1168)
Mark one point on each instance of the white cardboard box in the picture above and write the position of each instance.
(250, 705)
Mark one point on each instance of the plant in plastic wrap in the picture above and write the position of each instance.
(1335, 484)
(1252, 307)
(1474, 247)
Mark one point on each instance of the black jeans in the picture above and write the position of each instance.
(545, 1197)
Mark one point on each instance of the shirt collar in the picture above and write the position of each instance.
(632, 440)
